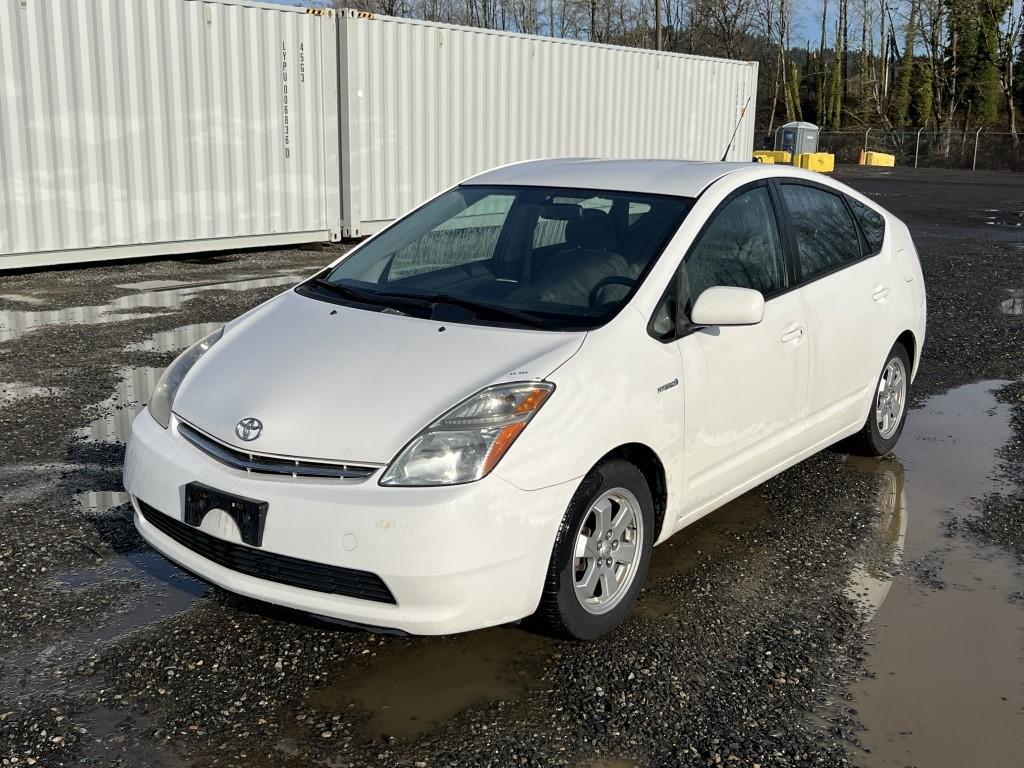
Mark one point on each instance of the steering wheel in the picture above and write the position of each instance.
(604, 282)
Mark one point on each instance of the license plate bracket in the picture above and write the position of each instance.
(250, 515)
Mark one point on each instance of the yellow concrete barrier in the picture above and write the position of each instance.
(821, 162)
(880, 159)
(781, 156)
(764, 157)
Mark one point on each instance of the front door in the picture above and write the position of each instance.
(745, 387)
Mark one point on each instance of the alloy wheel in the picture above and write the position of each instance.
(607, 550)
(891, 398)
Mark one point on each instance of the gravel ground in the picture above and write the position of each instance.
(741, 651)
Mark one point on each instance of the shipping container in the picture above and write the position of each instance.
(134, 128)
(425, 105)
(131, 129)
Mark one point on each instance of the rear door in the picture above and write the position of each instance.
(847, 295)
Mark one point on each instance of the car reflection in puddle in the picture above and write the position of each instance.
(880, 556)
(947, 683)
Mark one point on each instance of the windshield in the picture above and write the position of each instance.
(550, 258)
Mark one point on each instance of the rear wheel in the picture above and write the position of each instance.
(600, 558)
(888, 413)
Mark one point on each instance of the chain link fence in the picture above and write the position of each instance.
(929, 148)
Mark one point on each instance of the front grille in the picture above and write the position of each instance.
(273, 465)
(269, 565)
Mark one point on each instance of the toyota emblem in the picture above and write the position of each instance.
(249, 429)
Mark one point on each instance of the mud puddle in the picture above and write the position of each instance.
(15, 323)
(947, 660)
(409, 687)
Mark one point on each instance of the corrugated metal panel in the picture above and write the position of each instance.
(134, 127)
(426, 105)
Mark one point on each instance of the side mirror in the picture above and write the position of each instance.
(722, 305)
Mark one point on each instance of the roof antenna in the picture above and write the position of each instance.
(732, 138)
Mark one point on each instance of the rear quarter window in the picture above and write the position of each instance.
(872, 224)
(826, 234)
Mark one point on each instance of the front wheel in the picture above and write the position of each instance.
(888, 413)
(600, 558)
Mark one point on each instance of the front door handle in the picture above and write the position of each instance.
(793, 333)
(881, 293)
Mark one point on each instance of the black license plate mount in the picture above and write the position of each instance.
(250, 515)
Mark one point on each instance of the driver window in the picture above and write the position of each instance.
(741, 248)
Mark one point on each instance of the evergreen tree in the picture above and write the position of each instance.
(921, 98)
(901, 98)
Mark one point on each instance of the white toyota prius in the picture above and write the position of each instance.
(497, 406)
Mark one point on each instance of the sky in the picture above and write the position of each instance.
(805, 24)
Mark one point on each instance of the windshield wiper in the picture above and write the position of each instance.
(479, 309)
(365, 297)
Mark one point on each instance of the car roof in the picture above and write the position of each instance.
(681, 178)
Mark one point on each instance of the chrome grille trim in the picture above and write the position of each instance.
(271, 465)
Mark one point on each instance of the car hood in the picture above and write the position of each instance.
(343, 384)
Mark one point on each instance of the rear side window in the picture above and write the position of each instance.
(826, 235)
(741, 248)
(871, 224)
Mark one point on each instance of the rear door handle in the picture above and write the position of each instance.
(881, 293)
(793, 333)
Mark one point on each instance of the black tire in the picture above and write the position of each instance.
(870, 441)
(560, 613)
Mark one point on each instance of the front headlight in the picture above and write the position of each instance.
(467, 442)
(174, 374)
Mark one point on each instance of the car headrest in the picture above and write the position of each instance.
(593, 230)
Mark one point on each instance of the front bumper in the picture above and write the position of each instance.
(454, 558)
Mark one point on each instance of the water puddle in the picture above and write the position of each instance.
(410, 687)
(174, 339)
(136, 384)
(119, 410)
(163, 590)
(11, 392)
(14, 323)
(681, 553)
(948, 650)
(20, 298)
(880, 555)
(99, 503)
(1002, 217)
(1013, 304)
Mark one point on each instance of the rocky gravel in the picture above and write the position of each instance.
(741, 652)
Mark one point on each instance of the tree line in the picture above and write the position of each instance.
(942, 64)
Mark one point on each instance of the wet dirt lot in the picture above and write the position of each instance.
(847, 612)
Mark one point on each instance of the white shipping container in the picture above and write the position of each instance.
(133, 128)
(425, 105)
(141, 128)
